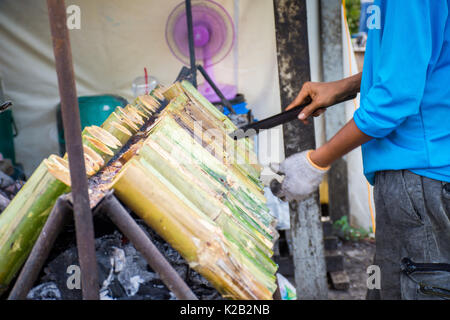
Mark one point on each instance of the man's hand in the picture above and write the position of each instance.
(304, 171)
(324, 95)
(302, 177)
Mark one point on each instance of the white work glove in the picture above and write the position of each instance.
(302, 177)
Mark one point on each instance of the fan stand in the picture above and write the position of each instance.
(191, 74)
(206, 89)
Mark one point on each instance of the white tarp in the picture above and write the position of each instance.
(116, 41)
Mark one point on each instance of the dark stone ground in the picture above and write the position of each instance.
(357, 257)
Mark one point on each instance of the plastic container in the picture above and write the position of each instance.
(7, 135)
(142, 86)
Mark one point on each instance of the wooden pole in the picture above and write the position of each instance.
(72, 132)
(306, 228)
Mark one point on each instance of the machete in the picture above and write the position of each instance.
(269, 123)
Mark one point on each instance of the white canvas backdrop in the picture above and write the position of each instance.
(116, 41)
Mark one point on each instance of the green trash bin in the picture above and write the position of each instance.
(7, 133)
(94, 110)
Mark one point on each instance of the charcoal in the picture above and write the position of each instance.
(123, 273)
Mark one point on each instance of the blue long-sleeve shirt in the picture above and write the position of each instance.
(405, 89)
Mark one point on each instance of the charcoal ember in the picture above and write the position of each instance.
(14, 188)
(123, 273)
(8, 189)
(198, 284)
(45, 291)
(5, 180)
(4, 201)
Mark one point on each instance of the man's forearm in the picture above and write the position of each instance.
(347, 139)
(349, 86)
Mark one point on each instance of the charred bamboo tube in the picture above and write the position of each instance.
(23, 220)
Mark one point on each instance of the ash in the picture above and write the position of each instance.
(123, 272)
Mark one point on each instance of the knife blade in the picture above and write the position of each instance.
(271, 122)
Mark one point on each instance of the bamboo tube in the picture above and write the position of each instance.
(98, 147)
(246, 265)
(222, 145)
(170, 127)
(207, 202)
(210, 203)
(122, 120)
(94, 156)
(166, 161)
(119, 131)
(58, 170)
(157, 92)
(200, 243)
(23, 219)
(142, 109)
(138, 110)
(102, 135)
(200, 101)
(134, 114)
(149, 102)
(173, 91)
(174, 137)
(248, 209)
(130, 116)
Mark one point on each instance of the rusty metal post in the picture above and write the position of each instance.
(120, 217)
(57, 219)
(72, 132)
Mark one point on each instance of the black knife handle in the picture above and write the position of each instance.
(286, 116)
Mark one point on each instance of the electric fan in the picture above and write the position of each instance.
(214, 37)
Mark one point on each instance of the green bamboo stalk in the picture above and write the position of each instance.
(202, 196)
(149, 197)
(23, 220)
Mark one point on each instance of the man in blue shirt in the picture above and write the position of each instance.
(403, 125)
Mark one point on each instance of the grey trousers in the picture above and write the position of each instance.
(413, 221)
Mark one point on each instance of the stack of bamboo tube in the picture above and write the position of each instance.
(22, 221)
(192, 183)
